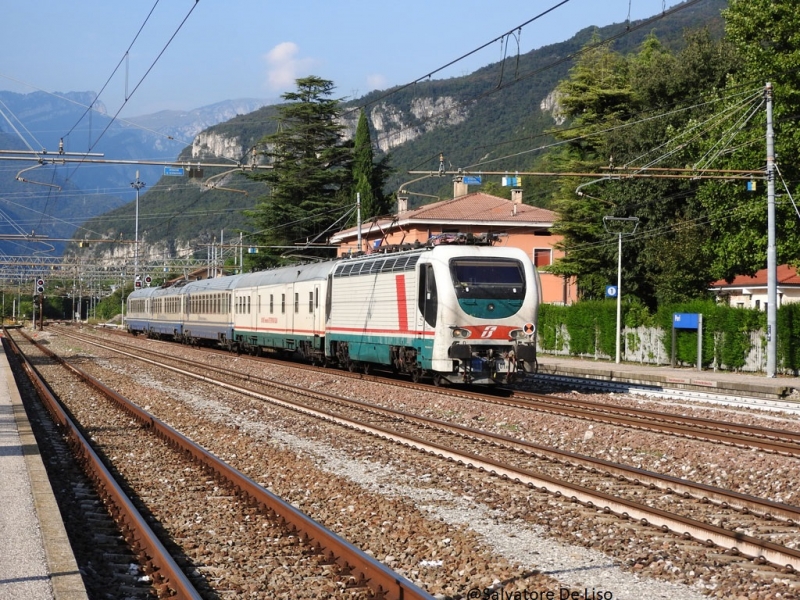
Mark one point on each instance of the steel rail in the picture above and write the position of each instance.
(167, 575)
(757, 431)
(735, 542)
(384, 582)
(703, 492)
(735, 434)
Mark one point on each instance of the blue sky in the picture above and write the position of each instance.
(257, 48)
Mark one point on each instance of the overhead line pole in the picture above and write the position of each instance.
(137, 185)
(772, 261)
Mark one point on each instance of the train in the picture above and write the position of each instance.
(458, 310)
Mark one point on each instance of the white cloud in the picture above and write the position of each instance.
(284, 67)
(376, 82)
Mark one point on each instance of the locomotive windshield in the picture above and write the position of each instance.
(488, 287)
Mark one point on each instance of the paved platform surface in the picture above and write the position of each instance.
(36, 559)
(690, 378)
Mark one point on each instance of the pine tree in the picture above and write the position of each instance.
(310, 179)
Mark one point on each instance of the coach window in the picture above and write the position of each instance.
(311, 302)
(296, 302)
(271, 304)
(283, 303)
(248, 305)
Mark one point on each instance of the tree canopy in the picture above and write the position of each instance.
(669, 110)
(309, 184)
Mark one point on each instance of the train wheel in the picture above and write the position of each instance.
(367, 368)
(416, 375)
(438, 380)
(352, 366)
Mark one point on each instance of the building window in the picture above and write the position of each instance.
(542, 257)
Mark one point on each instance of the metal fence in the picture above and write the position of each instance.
(650, 345)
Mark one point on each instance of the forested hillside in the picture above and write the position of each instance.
(494, 114)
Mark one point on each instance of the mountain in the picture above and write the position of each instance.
(37, 121)
(498, 110)
(501, 110)
(185, 125)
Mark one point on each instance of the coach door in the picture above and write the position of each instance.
(313, 301)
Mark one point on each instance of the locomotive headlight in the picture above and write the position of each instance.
(460, 332)
(517, 334)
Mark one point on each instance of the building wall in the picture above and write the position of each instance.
(758, 298)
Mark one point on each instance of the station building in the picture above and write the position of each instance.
(516, 224)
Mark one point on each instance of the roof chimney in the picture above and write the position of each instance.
(516, 195)
(459, 188)
(402, 204)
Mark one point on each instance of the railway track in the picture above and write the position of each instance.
(724, 432)
(752, 526)
(173, 479)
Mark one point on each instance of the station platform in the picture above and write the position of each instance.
(752, 385)
(36, 559)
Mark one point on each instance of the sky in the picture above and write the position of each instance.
(185, 54)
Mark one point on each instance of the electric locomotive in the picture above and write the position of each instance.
(453, 311)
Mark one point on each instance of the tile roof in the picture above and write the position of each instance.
(479, 206)
(786, 275)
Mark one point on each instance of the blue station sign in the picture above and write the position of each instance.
(173, 171)
(685, 320)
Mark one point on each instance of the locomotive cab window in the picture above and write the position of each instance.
(488, 287)
(481, 276)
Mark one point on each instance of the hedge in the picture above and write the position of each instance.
(727, 331)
